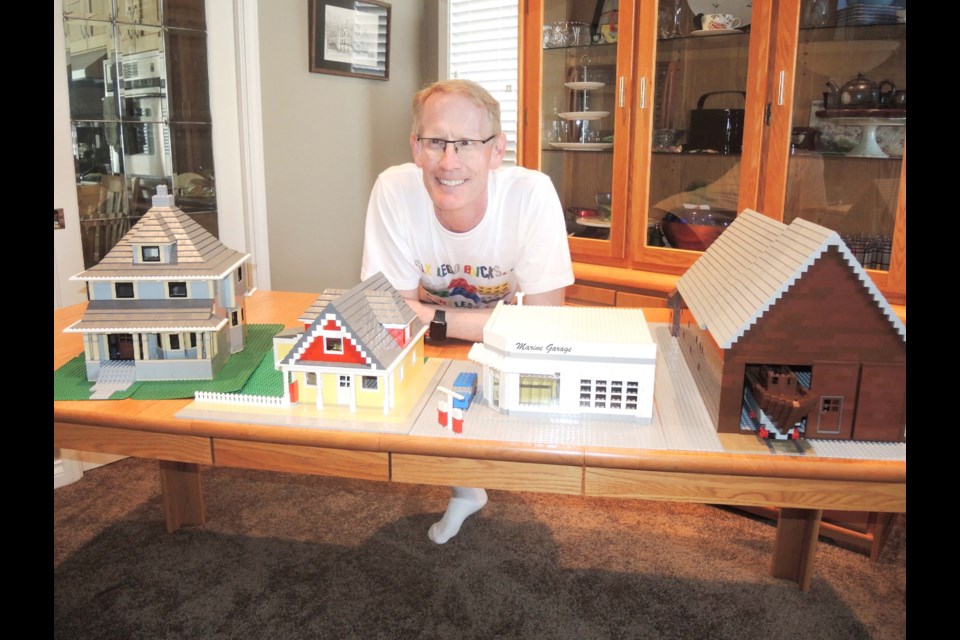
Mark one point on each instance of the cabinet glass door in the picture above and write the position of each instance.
(582, 118)
(848, 126)
(695, 135)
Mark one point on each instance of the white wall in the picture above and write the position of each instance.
(325, 139)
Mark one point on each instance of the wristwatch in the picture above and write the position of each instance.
(438, 326)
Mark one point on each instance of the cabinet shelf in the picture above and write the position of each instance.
(586, 47)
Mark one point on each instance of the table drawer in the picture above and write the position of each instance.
(489, 474)
(130, 442)
(292, 458)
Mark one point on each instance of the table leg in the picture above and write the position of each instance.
(182, 489)
(795, 545)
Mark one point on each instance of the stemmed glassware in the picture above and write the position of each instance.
(669, 22)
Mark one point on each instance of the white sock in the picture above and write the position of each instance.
(464, 502)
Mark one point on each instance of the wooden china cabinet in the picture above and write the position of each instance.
(603, 88)
(640, 120)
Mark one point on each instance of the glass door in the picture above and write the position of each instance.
(848, 126)
(692, 137)
(580, 103)
(140, 114)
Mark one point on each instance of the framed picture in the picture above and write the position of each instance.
(350, 38)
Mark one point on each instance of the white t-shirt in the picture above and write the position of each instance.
(520, 244)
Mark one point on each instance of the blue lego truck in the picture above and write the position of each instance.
(465, 385)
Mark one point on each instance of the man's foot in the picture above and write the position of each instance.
(463, 503)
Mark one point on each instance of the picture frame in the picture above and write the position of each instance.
(350, 38)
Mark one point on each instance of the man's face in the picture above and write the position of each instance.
(457, 184)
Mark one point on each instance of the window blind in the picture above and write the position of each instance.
(483, 47)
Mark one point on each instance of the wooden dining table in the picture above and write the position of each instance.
(800, 487)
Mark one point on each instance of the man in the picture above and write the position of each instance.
(455, 233)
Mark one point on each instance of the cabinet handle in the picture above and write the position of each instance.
(781, 88)
(622, 92)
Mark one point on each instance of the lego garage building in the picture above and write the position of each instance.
(567, 360)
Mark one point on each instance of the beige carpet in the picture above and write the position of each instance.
(289, 556)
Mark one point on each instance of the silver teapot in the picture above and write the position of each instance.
(859, 93)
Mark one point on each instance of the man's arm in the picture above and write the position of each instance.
(462, 324)
(467, 324)
(554, 298)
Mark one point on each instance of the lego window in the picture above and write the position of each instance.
(541, 390)
(345, 382)
(123, 289)
(240, 273)
(311, 378)
(150, 254)
(177, 289)
(333, 345)
(174, 341)
(234, 318)
(371, 383)
(193, 340)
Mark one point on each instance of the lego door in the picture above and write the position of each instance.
(121, 346)
(829, 419)
(344, 391)
(882, 403)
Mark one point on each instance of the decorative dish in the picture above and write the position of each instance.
(583, 86)
(714, 32)
(581, 146)
(603, 223)
(739, 8)
(583, 115)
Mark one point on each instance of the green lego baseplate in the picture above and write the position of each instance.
(244, 370)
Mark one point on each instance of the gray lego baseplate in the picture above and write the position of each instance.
(680, 419)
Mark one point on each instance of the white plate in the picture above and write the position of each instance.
(714, 32)
(739, 8)
(594, 222)
(583, 86)
(582, 146)
(583, 115)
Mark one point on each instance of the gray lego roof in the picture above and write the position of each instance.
(134, 316)
(199, 254)
(363, 311)
(749, 267)
(318, 305)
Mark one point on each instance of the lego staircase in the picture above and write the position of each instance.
(114, 376)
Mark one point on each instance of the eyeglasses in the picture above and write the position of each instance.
(436, 147)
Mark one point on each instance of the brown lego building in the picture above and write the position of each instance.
(794, 296)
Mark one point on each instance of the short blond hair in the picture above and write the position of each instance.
(466, 88)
